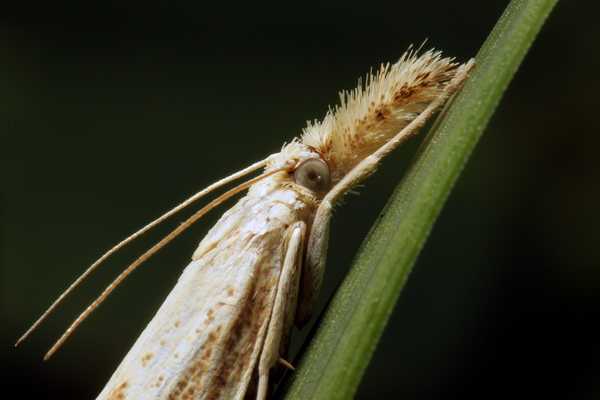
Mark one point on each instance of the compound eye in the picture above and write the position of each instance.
(313, 174)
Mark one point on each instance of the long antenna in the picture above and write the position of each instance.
(150, 252)
(135, 235)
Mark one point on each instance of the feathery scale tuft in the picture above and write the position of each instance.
(368, 117)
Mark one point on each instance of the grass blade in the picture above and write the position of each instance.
(335, 360)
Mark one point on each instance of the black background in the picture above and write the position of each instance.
(113, 114)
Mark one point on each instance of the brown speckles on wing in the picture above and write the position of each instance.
(244, 343)
(210, 317)
(119, 392)
(223, 368)
(207, 336)
(146, 358)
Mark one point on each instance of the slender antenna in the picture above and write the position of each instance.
(128, 239)
(150, 252)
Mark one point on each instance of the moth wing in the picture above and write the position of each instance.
(205, 340)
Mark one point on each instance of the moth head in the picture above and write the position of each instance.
(313, 174)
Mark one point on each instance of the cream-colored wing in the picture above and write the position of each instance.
(206, 338)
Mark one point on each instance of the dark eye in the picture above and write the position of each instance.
(313, 174)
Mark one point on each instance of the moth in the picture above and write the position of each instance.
(226, 324)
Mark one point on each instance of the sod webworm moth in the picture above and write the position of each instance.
(226, 323)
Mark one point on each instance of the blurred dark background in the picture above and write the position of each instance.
(111, 115)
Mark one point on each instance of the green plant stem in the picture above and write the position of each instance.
(335, 360)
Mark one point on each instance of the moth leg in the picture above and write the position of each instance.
(314, 263)
(284, 307)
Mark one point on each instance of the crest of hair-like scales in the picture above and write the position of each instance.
(368, 117)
